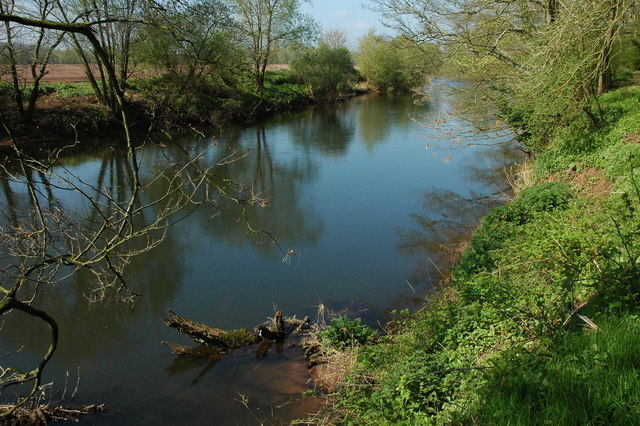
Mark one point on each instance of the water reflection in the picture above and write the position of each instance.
(376, 119)
(327, 130)
(95, 325)
(444, 219)
(280, 182)
(349, 186)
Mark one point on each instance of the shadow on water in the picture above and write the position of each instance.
(372, 216)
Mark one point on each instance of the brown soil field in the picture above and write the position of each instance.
(56, 74)
(59, 73)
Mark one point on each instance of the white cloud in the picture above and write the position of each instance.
(361, 25)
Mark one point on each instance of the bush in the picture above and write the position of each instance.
(395, 64)
(545, 197)
(327, 71)
(344, 332)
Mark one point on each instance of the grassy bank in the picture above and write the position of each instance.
(540, 322)
(67, 109)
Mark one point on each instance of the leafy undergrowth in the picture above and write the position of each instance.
(540, 323)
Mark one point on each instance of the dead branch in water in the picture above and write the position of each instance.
(215, 342)
(223, 340)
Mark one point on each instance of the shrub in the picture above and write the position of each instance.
(545, 197)
(344, 332)
(397, 64)
(327, 71)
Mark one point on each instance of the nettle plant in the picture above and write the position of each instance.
(344, 332)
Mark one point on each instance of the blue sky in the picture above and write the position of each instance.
(347, 15)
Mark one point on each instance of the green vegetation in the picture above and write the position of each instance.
(540, 321)
(213, 101)
(397, 64)
(326, 71)
(344, 332)
(199, 62)
(67, 90)
(590, 378)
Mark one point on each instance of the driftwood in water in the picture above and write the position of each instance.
(224, 340)
(217, 342)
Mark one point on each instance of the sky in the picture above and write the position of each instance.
(348, 15)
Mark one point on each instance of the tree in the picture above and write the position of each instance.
(42, 46)
(398, 64)
(544, 58)
(484, 27)
(114, 24)
(327, 71)
(193, 45)
(334, 38)
(264, 23)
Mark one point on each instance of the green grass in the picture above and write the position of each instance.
(503, 344)
(589, 377)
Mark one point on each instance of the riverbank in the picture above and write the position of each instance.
(68, 109)
(539, 322)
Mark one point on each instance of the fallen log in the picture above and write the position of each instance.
(215, 342)
(223, 340)
(275, 332)
(290, 325)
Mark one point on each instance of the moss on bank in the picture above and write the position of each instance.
(540, 323)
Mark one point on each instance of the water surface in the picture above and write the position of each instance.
(371, 205)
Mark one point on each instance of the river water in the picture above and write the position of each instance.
(374, 197)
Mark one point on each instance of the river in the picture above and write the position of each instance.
(373, 196)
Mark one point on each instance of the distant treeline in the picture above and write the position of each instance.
(204, 56)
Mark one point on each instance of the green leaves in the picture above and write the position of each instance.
(344, 332)
(327, 71)
(398, 64)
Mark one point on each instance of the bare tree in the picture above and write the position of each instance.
(268, 22)
(50, 239)
(42, 46)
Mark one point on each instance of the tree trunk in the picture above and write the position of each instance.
(38, 72)
(17, 89)
(220, 339)
(604, 68)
